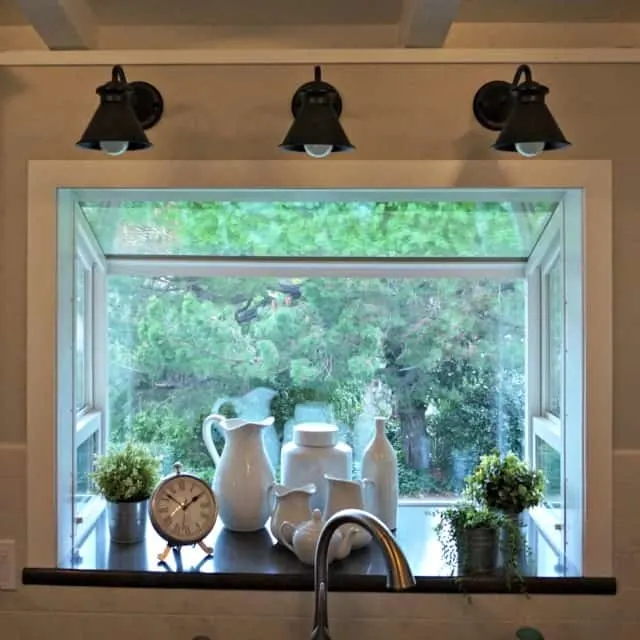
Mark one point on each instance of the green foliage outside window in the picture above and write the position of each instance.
(443, 357)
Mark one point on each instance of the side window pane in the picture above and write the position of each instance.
(83, 490)
(555, 302)
(549, 461)
(80, 341)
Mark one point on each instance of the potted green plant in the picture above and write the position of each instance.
(126, 477)
(469, 537)
(507, 485)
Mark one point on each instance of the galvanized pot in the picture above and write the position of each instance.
(477, 551)
(127, 521)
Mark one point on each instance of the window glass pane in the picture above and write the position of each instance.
(312, 228)
(549, 461)
(80, 341)
(555, 306)
(443, 357)
(549, 562)
(83, 490)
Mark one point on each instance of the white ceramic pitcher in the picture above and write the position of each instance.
(243, 474)
(347, 494)
(290, 504)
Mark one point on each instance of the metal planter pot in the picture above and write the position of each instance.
(477, 551)
(127, 521)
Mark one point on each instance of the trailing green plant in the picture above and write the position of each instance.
(455, 520)
(505, 483)
(128, 473)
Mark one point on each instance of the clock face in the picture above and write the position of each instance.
(183, 509)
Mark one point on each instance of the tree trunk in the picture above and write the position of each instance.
(415, 440)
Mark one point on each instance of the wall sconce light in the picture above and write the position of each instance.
(126, 111)
(519, 112)
(316, 129)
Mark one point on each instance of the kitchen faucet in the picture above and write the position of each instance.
(399, 575)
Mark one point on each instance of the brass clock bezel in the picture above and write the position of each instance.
(153, 504)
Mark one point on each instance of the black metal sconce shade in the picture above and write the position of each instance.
(316, 129)
(519, 112)
(126, 111)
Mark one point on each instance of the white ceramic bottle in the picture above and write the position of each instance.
(380, 465)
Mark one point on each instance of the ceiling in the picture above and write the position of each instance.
(65, 24)
(309, 12)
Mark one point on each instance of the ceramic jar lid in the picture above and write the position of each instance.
(315, 434)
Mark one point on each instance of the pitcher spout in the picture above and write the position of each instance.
(232, 424)
(281, 490)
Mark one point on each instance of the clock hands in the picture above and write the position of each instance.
(190, 502)
(174, 499)
(183, 505)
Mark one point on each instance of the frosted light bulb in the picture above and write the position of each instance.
(318, 150)
(530, 149)
(113, 147)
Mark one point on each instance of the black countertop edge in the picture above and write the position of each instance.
(301, 582)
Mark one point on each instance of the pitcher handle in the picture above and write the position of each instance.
(285, 535)
(208, 438)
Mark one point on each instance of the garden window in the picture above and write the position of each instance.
(457, 314)
(322, 311)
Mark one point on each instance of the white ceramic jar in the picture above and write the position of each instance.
(314, 452)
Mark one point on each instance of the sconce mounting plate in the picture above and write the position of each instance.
(316, 87)
(147, 103)
(492, 104)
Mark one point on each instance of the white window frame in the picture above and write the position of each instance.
(540, 422)
(588, 186)
(87, 374)
(91, 417)
(562, 240)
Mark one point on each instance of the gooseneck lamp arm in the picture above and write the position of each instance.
(118, 75)
(522, 70)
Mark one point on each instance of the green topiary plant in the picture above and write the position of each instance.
(505, 484)
(126, 474)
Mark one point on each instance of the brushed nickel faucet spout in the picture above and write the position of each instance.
(399, 575)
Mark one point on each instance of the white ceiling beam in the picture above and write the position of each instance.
(259, 57)
(426, 23)
(62, 24)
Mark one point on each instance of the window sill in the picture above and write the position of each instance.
(251, 561)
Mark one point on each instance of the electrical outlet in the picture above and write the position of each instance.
(7, 565)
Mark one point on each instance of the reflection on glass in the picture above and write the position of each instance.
(442, 357)
(555, 306)
(319, 229)
(549, 562)
(549, 461)
(80, 366)
(84, 465)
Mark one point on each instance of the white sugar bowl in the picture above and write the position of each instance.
(314, 451)
(304, 539)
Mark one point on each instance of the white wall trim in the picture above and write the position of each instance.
(208, 57)
(46, 177)
(8, 447)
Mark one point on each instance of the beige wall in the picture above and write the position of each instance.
(393, 112)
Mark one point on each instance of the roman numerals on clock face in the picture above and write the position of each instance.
(183, 509)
